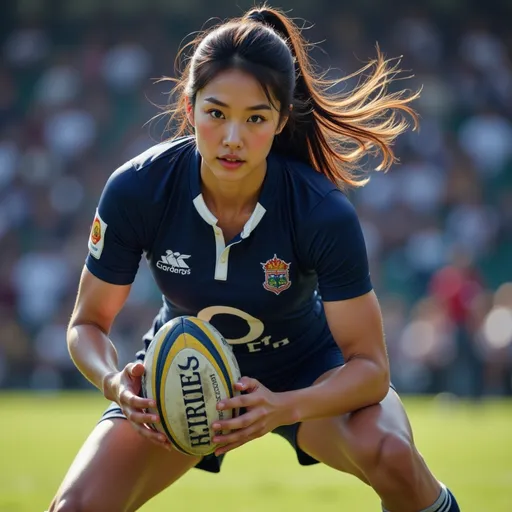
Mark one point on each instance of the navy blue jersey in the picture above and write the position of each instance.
(264, 289)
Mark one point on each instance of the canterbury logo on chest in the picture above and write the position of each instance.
(174, 262)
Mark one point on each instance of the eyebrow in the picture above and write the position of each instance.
(215, 101)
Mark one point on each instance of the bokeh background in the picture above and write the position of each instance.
(77, 89)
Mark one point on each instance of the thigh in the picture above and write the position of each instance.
(117, 469)
(352, 442)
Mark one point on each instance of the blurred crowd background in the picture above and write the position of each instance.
(77, 89)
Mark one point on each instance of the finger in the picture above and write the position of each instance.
(152, 435)
(237, 436)
(228, 448)
(239, 401)
(240, 422)
(131, 400)
(137, 416)
(231, 446)
(247, 384)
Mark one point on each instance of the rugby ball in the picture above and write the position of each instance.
(189, 368)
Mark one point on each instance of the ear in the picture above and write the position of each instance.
(283, 122)
(190, 112)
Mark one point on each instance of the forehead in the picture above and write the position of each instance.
(236, 88)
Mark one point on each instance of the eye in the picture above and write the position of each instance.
(256, 119)
(215, 113)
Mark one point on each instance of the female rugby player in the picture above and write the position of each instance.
(243, 221)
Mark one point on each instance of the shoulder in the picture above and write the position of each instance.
(333, 217)
(305, 178)
(163, 154)
(317, 199)
(151, 171)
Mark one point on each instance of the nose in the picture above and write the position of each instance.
(233, 136)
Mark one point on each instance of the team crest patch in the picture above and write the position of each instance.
(96, 231)
(277, 275)
(97, 236)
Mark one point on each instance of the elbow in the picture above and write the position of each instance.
(71, 332)
(378, 380)
(78, 329)
(383, 383)
(79, 321)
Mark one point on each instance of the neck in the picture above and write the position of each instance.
(231, 197)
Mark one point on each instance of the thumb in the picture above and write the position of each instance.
(136, 369)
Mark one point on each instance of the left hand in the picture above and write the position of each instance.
(265, 411)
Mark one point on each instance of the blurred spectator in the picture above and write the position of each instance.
(454, 288)
(26, 46)
(428, 349)
(487, 139)
(126, 66)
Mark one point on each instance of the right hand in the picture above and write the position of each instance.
(123, 388)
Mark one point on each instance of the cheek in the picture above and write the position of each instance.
(206, 131)
(262, 139)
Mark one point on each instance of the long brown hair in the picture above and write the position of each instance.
(330, 131)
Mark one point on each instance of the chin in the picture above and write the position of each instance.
(230, 176)
(224, 174)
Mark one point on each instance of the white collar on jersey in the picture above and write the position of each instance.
(209, 218)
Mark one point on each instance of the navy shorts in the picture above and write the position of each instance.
(301, 377)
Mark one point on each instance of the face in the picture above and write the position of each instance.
(235, 125)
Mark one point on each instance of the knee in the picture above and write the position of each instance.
(394, 458)
(397, 462)
(397, 454)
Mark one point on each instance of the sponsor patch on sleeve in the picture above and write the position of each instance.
(97, 236)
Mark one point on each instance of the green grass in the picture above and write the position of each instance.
(468, 446)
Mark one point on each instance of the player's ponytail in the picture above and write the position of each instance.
(293, 141)
(328, 130)
(333, 131)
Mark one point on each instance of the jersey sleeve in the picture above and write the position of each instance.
(336, 249)
(116, 240)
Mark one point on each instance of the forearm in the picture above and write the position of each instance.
(92, 352)
(359, 383)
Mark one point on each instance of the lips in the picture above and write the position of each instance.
(231, 158)
(230, 163)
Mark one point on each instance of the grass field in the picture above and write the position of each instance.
(468, 446)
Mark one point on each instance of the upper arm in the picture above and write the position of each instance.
(98, 302)
(336, 250)
(356, 326)
(116, 242)
(119, 231)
